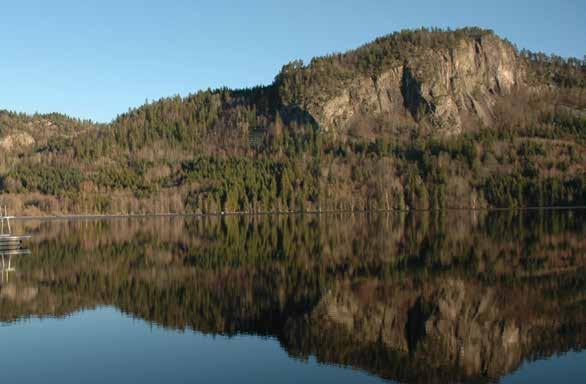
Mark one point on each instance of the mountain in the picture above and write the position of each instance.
(416, 119)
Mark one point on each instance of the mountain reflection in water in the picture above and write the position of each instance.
(424, 297)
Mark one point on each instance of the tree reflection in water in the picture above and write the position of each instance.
(424, 297)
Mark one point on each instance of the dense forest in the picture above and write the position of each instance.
(369, 129)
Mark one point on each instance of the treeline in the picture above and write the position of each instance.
(14, 120)
(554, 69)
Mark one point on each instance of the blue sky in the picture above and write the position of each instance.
(95, 59)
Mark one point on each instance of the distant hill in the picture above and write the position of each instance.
(19, 131)
(416, 119)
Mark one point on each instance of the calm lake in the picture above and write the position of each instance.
(337, 298)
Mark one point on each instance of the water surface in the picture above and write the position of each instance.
(452, 297)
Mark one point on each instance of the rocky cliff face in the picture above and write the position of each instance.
(453, 88)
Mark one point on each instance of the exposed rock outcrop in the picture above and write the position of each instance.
(17, 140)
(453, 88)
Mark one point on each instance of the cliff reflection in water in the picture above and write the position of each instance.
(420, 298)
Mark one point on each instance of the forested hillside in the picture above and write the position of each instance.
(416, 119)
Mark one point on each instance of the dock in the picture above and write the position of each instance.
(4, 218)
(10, 245)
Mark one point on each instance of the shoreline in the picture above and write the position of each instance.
(277, 213)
